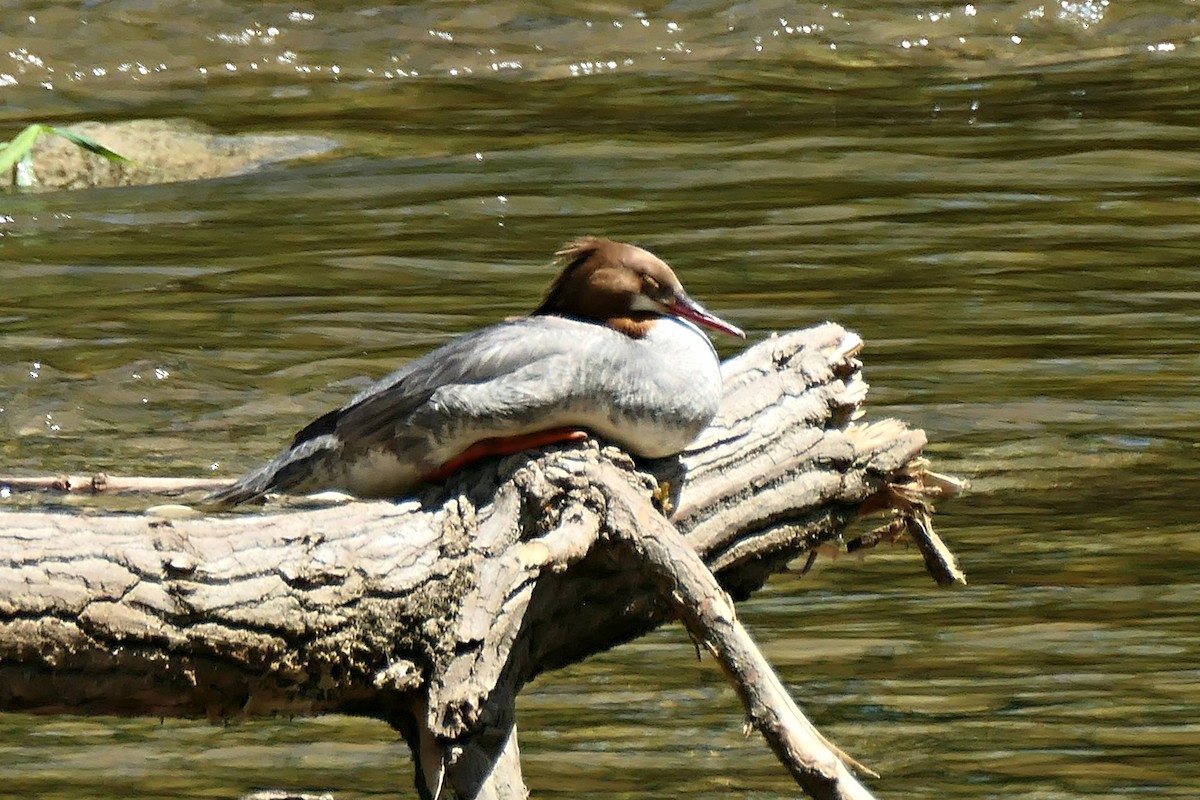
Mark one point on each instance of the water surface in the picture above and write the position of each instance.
(1001, 198)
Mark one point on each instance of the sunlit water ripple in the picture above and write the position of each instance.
(1001, 198)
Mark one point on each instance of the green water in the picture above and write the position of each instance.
(1006, 209)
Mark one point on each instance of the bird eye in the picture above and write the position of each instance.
(651, 287)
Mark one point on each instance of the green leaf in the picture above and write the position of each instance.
(89, 144)
(20, 146)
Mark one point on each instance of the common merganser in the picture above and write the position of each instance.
(612, 350)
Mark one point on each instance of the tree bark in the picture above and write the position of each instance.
(433, 612)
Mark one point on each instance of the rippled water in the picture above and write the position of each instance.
(1000, 197)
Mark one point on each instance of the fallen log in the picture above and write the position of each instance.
(432, 613)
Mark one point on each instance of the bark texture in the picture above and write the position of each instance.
(432, 613)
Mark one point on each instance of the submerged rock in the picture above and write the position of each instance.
(161, 151)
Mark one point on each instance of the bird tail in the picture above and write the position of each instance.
(251, 487)
(304, 467)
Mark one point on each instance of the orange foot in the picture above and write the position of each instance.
(504, 446)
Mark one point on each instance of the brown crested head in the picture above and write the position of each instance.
(601, 281)
(621, 286)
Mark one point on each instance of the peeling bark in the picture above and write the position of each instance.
(432, 613)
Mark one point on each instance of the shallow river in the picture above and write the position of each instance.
(1002, 198)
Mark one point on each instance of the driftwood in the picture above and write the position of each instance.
(434, 612)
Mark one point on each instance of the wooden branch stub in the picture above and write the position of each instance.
(710, 618)
(105, 483)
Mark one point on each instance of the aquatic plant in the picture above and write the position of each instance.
(16, 156)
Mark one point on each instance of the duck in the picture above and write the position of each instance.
(616, 350)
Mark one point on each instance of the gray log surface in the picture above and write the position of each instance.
(432, 613)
